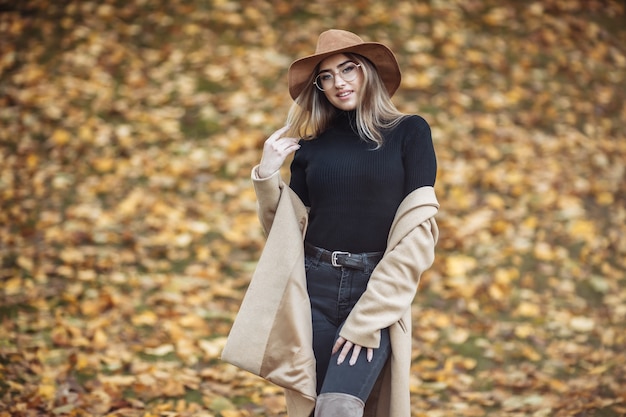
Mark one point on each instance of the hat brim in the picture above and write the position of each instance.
(301, 70)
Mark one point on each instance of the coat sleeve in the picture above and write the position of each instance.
(268, 191)
(394, 282)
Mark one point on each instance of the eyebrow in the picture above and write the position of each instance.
(349, 61)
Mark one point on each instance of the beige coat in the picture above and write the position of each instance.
(272, 334)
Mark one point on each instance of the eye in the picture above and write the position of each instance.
(348, 68)
(325, 76)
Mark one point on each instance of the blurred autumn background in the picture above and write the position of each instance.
(128, 230)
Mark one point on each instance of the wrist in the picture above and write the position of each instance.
(261, 174)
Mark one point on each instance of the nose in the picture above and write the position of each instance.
(339, 82)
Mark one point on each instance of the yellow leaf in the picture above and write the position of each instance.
(504, 276)
(146, 379)
(605, 198)
(417, 80)
(191, 29)
(26, 263)
(458, 335)
(72, 255)
(146, 318)
(13, 286)
(104, 164)
(85, 133)
(60, 137)
(543, 251)
(90, 307)
(185, 348)
(530, 222)
(496, 16)
(430, 336)
(441, 320)
(87, 275)
(582, 324)
(583, 228)
(183, 240)
(117, 380)
(496, 292)
(160, 350)
(495, 201)
(100, 401)
(59, 336)
(192, 320)
(15, 385)
(524, 330)
(172, 387)
(530, 353)
(515, 95)
(199, 227)
(100, 339)
(235, 413)
(212, 348)
(459, 265)
(47, 391)
(32, 160)
(82, 362)
(456, 362)
(526, 309)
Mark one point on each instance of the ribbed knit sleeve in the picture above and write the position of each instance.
(418, 155)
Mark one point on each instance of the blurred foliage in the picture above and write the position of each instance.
(128, 230)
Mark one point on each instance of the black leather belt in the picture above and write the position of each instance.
(346, 259)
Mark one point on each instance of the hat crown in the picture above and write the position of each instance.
(334, 39)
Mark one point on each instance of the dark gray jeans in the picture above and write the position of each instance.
(333, 292)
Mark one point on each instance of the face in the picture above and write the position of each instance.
(341, 93)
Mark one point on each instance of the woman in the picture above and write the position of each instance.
(361, 198)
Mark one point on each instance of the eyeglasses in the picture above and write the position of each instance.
(326, 80)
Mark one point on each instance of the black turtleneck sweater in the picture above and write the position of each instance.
(354, 190)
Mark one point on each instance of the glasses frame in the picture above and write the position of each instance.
(335, 74)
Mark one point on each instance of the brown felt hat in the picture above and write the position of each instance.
(335, 41)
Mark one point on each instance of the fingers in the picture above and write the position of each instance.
(275, 150)
(355, 354)
(277, 134)
(340, 341)
(345, 346)
(277, 137)
(279, 145)
(344, 352)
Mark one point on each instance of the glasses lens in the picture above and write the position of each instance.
(326, 80)
(349, 72)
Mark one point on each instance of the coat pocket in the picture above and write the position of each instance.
(402, 325)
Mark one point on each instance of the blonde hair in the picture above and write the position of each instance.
(312, 113)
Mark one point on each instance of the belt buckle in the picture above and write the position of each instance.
(333, 257)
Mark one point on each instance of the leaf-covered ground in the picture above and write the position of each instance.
(128, 230)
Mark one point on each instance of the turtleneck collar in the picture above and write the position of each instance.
(346, 120)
